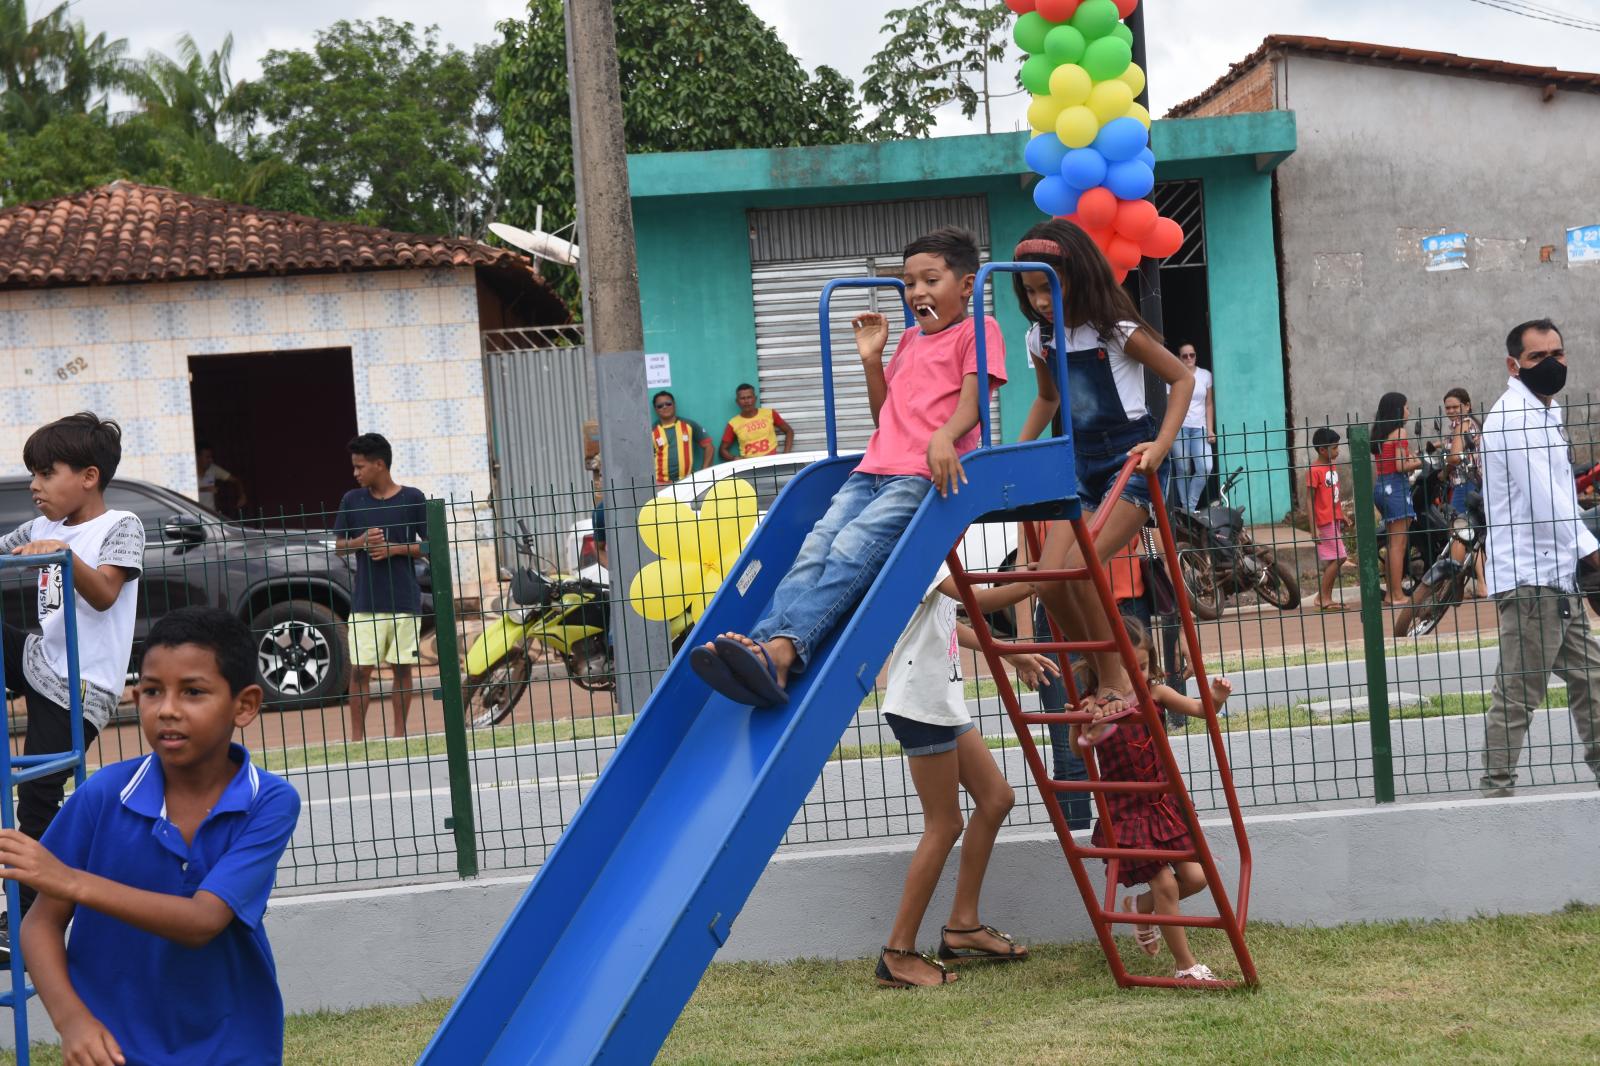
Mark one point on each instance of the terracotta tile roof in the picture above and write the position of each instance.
(125, 232)
(1447, 62)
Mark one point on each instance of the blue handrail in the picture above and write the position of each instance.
(33, 766)
(827, 339)
(1059, 367)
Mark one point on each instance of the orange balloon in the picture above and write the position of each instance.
(1123, 253)
(1136, 218)
(1165, 238)
(1098, 209)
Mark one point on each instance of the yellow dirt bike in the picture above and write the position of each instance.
(567, 616)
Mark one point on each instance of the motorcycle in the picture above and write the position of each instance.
(1443, 585)
(570, 617)
(1219, 560)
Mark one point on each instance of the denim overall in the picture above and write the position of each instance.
(1102, 434)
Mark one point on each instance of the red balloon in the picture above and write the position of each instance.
(1098, 209)
(1120, 274)
(1123, 253)
(1101, 237)
(1165, 238)
(1136, 218)
(1125, 8)
(1021, 7)
(1056, 10)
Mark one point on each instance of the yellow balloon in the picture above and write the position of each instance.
(1042, 114)
(1139, 112)
(1077, 127)
(1135, 78)
(1070, 85)
(656, 591)
(1110, 100)
(670, 529)
(710, 581)
(727, 517)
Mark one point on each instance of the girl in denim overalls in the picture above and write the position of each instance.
(1107, 348)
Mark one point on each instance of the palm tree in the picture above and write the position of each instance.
(193, 93)
(50, 66)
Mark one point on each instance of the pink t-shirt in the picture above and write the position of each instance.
(924, 380)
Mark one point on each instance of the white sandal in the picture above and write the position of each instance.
(1198, 972)
(1148, 937)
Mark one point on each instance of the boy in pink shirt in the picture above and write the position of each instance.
(925, 405)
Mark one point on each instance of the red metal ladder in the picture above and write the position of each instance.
(1104, 915)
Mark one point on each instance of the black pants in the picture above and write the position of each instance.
(49, 732)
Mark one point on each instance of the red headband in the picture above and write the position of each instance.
(1040, 246)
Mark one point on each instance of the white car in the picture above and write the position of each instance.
(991, 544)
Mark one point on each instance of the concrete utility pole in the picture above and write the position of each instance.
(614, 328)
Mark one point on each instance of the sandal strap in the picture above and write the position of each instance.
(908, 953)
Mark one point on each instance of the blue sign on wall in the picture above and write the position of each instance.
(1447, 251)
(1583, 245)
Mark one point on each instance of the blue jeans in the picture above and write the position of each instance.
(840, 558)
(1191, 466)
(1065, 763)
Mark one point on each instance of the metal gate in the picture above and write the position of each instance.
(540, 392)
(793, 253)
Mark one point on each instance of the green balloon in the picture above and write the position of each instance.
(1036, 75)
(1064, 44)
(1032, 28)
(1121, 32)
(1094, 19)
(1107, 58)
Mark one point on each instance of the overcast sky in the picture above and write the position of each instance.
(1192, 42)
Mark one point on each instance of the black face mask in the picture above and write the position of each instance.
(1546, 379)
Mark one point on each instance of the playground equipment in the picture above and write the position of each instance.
(17, 769)
(610, 939)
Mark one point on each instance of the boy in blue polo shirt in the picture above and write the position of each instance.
(163, 865)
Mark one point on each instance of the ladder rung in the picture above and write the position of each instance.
(9, 998)
(1016, 577)
(1139, 854)
(1057, 717)
(1188, 921)
(1110, 786)
(1173, 982)
(44, 766)
(1055, 647)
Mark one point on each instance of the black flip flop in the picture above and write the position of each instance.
(758, 675)
(713, 670)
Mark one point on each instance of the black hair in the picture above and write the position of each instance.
(1391, 416)
(662, 393)
(203, 446)
(1092, 296)
(1087, 678)
(1459, 394)
(1324, 437)
(1181, 345)
(1514, 345)
(217, 631)
(81, 441)
(746, 387)
(957, 247)
(372, 446)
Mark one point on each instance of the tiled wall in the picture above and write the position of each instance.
(123, 351)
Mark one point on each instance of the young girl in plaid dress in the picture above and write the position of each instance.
(1126, 751)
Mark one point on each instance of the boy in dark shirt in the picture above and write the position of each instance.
(383, 523)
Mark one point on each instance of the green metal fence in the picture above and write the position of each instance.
(515, 710)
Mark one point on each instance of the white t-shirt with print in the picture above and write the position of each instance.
(105, 638)
(925, 666)
(1125, 371)
(208, 484)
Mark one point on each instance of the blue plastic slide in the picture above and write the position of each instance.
(610, 940)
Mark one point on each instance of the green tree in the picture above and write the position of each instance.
(389, 127)
(50, 66)
(695, 75)
(940, 52)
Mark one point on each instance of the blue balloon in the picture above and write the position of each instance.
(1044, 154)
(1054, 196)
(1148, 158)
(1084, 168)
(1122, 139)
(1130, 180)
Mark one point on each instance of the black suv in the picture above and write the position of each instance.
(289, 586)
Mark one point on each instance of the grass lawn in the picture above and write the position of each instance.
(1496, 990)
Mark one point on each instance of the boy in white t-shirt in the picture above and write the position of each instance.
(72, 461)
(925, 705)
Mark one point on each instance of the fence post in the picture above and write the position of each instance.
(1374, 634)
(457, 757)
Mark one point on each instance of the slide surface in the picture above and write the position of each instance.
(611, 938)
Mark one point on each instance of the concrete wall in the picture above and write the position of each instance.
(1390, 155)
(413, 336)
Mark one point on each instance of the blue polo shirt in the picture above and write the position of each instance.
(165, 1003)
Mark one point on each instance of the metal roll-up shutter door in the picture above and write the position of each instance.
(788, 337)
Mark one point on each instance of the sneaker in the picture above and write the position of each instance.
(1198, 972)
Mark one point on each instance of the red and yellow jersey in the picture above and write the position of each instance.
(758, 434)
(674, 445)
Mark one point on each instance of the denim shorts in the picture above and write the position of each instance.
(1392, 493)
(920, 738)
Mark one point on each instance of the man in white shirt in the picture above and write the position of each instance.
(1191, 452)
(1536, 541)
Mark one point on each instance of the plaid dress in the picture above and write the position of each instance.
(1141, 819)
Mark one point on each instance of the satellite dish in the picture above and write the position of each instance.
(538, 244)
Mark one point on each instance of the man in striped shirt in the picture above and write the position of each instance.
(675, 439)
